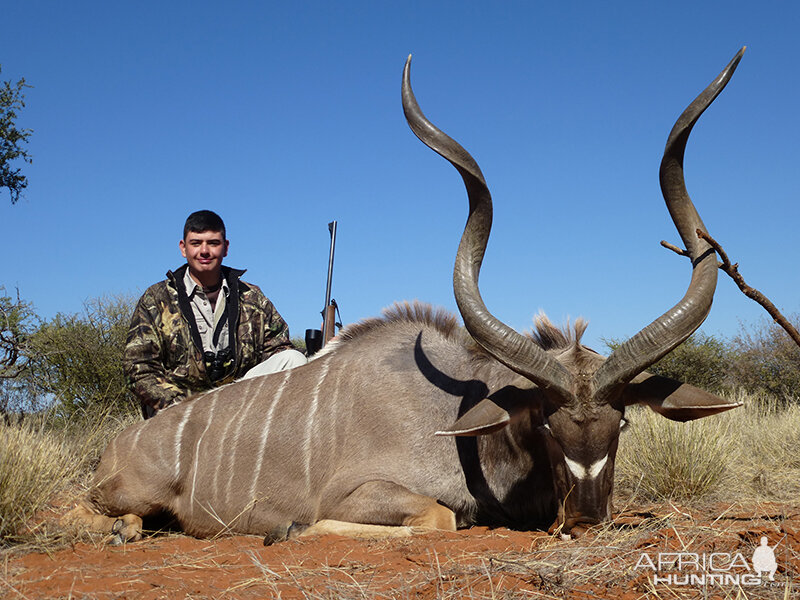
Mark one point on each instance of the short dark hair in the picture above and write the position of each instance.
(204, 220)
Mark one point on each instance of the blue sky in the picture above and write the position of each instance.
(284, 116)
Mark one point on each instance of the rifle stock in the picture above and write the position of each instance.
(329, 322)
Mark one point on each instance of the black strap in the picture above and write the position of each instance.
(186, 309)
(232, 308)
(220, 324)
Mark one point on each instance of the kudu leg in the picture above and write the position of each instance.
(380, 509)
(354, 530)
(125, 528)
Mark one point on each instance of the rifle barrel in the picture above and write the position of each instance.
(328, 325)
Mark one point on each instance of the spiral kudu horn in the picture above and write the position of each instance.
(678, 323)
(512, 349)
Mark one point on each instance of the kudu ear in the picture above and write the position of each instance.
(673, 399)
(485, 417)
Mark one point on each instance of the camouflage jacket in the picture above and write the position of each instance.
(163, 360)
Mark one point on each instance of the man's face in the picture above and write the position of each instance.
(204, 251)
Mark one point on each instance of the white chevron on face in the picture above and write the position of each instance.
(586, 471)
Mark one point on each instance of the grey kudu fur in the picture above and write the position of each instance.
(407, 421)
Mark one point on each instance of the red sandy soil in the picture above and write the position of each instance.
(474, 563)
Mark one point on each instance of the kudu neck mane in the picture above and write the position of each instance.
(400, 313)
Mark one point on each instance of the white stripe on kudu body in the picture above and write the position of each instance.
(197, 452)
(310, 426)
(233, 443)
(222, 454)
(264, 434)
(586, 472)
(136, 439)
(333, 413)
(179, 440)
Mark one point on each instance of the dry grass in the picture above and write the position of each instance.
(749, 453)
(769, 461)
(35, 466)
(41, 461)
(660, 459)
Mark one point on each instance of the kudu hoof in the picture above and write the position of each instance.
(295, 529)
(281, 533)
(117, 526)
(125, 531)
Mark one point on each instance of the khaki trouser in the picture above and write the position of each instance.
(282, 361)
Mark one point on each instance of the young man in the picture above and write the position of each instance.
(203, 326)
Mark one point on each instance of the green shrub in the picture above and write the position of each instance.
(702, 360)
(78, 358)
(766, 360)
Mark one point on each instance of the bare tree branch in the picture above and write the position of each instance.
(675, 249)
(732, 270)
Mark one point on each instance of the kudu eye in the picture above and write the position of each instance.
(547, 431)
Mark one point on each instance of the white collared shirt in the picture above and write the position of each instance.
(205, 318)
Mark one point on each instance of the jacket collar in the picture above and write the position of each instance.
(230, 274)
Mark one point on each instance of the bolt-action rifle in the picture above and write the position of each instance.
(316, 339)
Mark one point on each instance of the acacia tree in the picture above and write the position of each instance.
(17, 324)
(12, 139)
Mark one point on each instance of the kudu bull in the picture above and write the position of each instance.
(407, 421)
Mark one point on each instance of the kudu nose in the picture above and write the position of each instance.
(575, 525)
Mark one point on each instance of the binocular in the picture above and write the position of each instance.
(218, 363)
